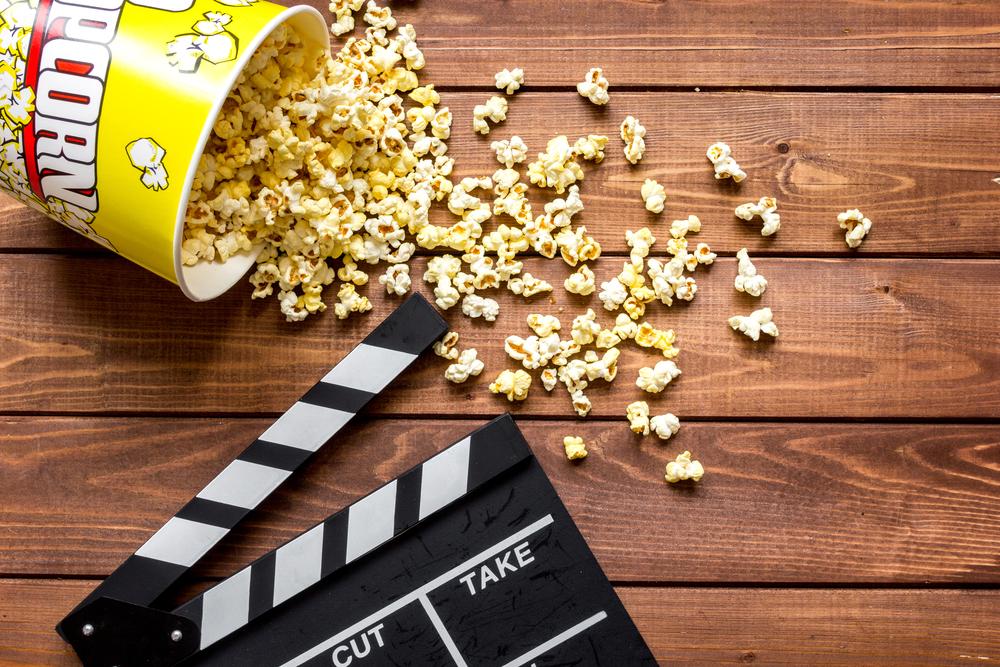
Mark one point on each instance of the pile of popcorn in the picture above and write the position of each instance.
(328, 171)
(331, 164)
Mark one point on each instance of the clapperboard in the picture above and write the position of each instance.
(469, 558)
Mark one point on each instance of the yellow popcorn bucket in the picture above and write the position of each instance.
(106, 107)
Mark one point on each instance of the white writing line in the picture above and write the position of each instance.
(542, 649)
(443, 631)
(423, 590)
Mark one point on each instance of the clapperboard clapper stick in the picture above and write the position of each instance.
(119, 624)
(470, 558)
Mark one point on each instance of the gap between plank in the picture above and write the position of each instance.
(760, 585)
(98, 253)
(695, 88)
(471, 416)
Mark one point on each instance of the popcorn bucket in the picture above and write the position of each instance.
(106, 106)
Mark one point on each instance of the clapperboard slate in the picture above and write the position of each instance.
(470, 558)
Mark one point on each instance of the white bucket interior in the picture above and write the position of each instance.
(207, 280)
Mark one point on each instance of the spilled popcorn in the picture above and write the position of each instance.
(396, 279)
(527, 285)
(646, 335)
(510, 151)
(332, 165)
(754, 324)
(475, 306)
(683, 468)
(857, 226)
(653, 196)
(747, 278)
(766, 209)
(574, 447)
(447, 346)
(544, 325)
(512, 384)
(495, 109)
(509, 80)
(633, 135)
(637, 414)
(655, 379)
(533, 352)
(681, 228)
(580, 281)
(467, 365)
(549, 379)
(349, 302)
(721, 157)
(664, 425)
(556, 167)
(594, 87)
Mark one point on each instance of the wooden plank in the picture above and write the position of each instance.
(915, 164)
(734, 626)
(683, 626)
(688, 43)
(781, 502)
(859, 339)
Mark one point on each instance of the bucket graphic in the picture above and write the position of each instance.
(105, 109)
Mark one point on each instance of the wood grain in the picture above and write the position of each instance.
(859, 339)
(845, 503)
(917, 165)
(120, 399)
(858, 43)
(727, 626)
(683, 626)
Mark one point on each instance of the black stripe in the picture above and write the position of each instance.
(262, 585)
(334, 543)
(212, 512)
(410, 328)
(408, 500)
(274, 455)
(337, 397)
(138, 580)
(192, 610)
(495, 448)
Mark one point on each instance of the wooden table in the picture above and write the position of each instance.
(851, 509)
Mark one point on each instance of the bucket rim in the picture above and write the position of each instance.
(208, 280)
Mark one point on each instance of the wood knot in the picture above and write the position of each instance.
(784, 147)
(747, 656)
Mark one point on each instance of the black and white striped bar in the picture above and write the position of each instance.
(357, 530)
(273, 457)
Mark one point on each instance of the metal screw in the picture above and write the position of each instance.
(87, 630)
(176, 636)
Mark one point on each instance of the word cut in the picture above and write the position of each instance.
(502, 565)
(358, 647)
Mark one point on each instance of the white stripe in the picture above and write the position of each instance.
(444, 478)
(225, 608)
(181, 541)
(437, 582)
(371, 521)
(557, 640)
(369, 368)
(438, 624)
(244, 484)
(306, 426)
(298, 564)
